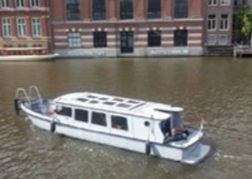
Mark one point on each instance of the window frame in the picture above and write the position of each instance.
(34, 3)
(73, 15)
(179, 9)
(214, 37)
(212, 2)
(119, 128)
(74, 40)
(98, 122)
(152, 11)
(226, 39)
(176, 44)
(102, 42)
(36, 27)
(224, 22)
(99, 11)
(62, 109)
(5, 3)
(81, 120)
(211, 22)
(154, 41)
(225, 2)
(129, 15)
(19, 3)
(7, 27)
(22, 27)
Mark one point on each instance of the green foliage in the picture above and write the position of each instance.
(244, 16)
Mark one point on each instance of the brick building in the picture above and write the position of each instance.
(128, 27)
(219, 20)
(24, 23)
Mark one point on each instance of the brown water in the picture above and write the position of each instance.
(218, 89)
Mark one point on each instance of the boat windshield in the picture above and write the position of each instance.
(176, 121)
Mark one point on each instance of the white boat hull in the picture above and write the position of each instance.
(27, 57)
(191, 154)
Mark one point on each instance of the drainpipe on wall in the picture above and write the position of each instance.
(50, 41)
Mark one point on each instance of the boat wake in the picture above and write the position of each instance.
(219, 155)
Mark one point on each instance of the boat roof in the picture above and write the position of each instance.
(118, 104)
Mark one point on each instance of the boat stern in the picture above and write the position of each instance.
(195, 153)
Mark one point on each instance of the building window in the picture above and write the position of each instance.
(154, 38)
(73, 10)
(211, 39)
(19, 3)
(21, 27)
(22, 45)
(99, 119)
(100, 39)
(180, 38)
(65, 111)
(181, 9)
(224, 22)
(154, 9)
(126, 9)
(211, 22)
(119, 122)
(36, 27)
(225, 2)
(5, 3)
(99, 9)
(212, 2)
(74, 40)
(81, 115)
(34, 3)
(6, 27)
(223, 39)
(37, 45)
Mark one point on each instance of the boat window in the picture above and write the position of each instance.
(65, 111)
(81, 115)
(133, 102)
(99, 118)
(109, 103)
(118, 99)
(91, 96)
(93, 102)
(123, 105)
(104, 99)
(119, 122)
(82, 99)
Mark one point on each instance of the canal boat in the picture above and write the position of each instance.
(147, 127)
(25, 54)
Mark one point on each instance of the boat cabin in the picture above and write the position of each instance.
(124, 117)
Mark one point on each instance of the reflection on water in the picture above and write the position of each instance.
(218, 89)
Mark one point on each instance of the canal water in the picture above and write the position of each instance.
(217, 89)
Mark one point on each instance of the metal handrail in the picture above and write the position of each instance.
(35, 88)
(19, 90)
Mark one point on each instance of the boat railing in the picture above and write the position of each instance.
(35, 89)
(22, 91)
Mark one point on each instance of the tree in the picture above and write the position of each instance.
(244, 17)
